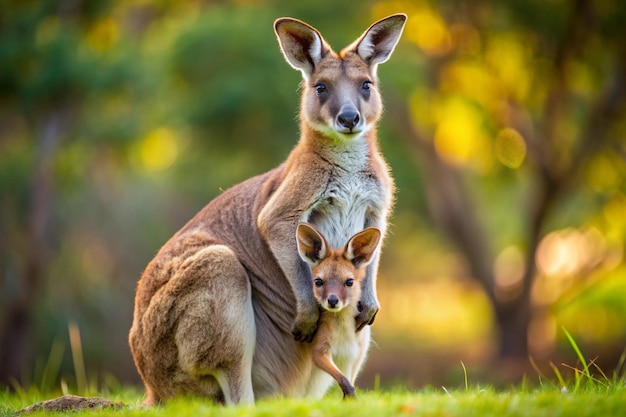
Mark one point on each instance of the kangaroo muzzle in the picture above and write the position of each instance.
(348, 120)
(332, 301)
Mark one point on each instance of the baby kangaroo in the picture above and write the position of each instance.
(338, 349)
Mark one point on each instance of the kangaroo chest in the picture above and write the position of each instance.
(350, 202)
(345, 345)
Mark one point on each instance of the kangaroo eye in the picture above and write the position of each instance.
(349, 282)
(366, 85)
(318, 282)
(320, 89)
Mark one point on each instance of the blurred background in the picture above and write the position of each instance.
(505, 127)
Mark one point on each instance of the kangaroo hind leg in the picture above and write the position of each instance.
(216, 335)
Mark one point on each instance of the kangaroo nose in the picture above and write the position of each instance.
(348, 119)
(332, 301)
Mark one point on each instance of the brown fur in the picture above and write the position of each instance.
(337, 277)
(222, 309)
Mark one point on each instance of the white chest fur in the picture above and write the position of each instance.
(353, 199)
(347, 343)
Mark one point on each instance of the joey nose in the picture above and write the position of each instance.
(348, 119)
(333, 300)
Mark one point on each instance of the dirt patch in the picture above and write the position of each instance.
(70, 403)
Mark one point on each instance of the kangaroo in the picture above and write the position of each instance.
(337, 276)
(224, 308)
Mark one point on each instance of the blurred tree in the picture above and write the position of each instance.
(40, 83)
(533, 87)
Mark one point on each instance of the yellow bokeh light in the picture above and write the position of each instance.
(420, 107)
(425, 311)
(472, 80)
(508, 271)
(428, 31)
(388, 7)
(509, 59)
(459, 139)
(509, 267)
(559, 253)
(604, 172)
(615, 211)
(568, 252)
(597, 324)
(510, 148)
(158, 150)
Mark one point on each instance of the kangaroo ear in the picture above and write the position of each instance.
(378, 42)
(301, 44)
(361, 247)
(312, 246)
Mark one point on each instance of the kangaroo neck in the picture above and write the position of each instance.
(347, 153)
(342, 321)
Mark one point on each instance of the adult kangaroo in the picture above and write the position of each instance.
(226, 306)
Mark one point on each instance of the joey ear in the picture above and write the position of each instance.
(361, 247)
(378, 42)
(312, 246)
(301, 44)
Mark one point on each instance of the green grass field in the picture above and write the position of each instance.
(583, 394)
(593, 399)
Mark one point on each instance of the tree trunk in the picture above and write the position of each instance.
(453, 209)
(16, 331)
(512, 322)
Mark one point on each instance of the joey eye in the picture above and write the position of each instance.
(320, 89)
(349, 282)
(366, 85)
(318, 282)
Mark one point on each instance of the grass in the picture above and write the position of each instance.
(583, 395)
(550, 401)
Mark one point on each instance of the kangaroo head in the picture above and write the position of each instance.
(337, 273)
(340, 96)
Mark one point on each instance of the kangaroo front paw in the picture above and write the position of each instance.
(305, 327)
(366, 316)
